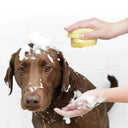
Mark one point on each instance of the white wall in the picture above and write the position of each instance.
(19, 18)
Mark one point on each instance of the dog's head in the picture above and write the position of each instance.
(38, 72)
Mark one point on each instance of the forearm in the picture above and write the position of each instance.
(121, 27)
(118, 94)
(90, 99)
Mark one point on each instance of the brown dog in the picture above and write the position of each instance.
(48, 82)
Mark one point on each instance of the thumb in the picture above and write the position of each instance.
(91, 35)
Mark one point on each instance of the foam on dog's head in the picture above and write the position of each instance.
(39, 42)
(25, 48)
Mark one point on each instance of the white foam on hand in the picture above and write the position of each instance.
(90, 100)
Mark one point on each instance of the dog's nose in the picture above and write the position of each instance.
(32, 101)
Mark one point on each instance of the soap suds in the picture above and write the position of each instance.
(77, 94)
(58, 59)
(36, 38)
(41, 85)
(32, 89)
(89, 102)
(40, 43)
(37, 49)
(80, 105)
(35, 88)
(33, 58)
(93, 101)
(67, 120)
(24, 49)
(50, 58)
(69, 86)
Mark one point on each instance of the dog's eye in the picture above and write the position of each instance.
(47, 68)
(22, 69)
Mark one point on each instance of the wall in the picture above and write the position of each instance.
(19, 18)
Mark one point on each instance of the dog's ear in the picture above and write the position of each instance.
(9, 74)
(65, 72)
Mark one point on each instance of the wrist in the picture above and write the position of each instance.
(121, 27)
(100, 94)
(97, 94)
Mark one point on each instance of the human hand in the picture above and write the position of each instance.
(82, 105)
(102, 29)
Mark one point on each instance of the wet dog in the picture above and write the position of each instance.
(47, 82)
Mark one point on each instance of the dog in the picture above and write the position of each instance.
(47, 82)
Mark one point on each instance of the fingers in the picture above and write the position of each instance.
(97, 34)
(73, 27)
(72, 106)
(91, 35)
(90, 23)
(71, 113)
(77, 108)
(80, 24)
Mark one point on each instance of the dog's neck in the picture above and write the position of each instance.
(49, 115)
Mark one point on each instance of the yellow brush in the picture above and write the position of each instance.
(77, 42)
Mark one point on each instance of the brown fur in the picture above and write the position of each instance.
(55, 82)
